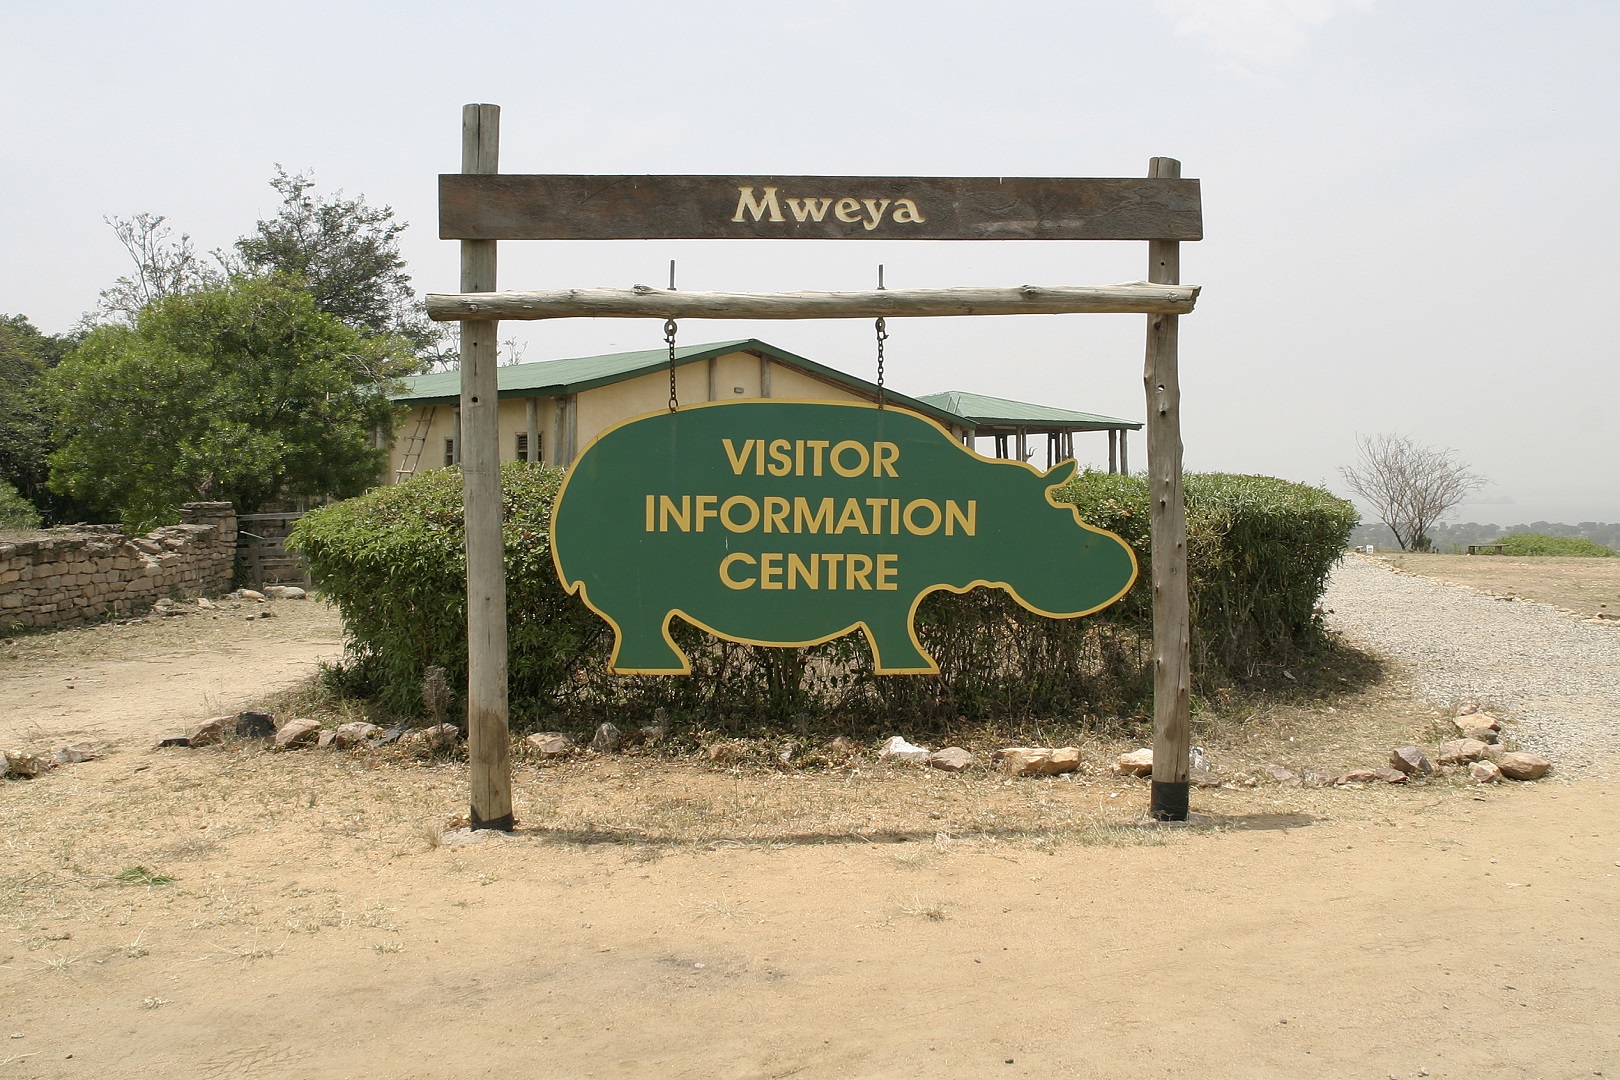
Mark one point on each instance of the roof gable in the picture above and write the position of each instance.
(554, 378)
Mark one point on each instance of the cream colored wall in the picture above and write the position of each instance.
(441, 426)
(789, 382)
(605, 406)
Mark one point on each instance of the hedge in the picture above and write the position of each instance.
(1259, 552)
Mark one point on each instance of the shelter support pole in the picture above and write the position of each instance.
(489, 749)
(1172, 675)
(1113, 451)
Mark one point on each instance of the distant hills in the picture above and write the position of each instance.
(1448, 537)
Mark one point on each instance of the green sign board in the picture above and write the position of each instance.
(794, 522)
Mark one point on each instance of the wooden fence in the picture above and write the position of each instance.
(262, 553)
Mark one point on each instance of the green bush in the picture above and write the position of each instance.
(1542, 544)
(16, 512)
(1259, 551)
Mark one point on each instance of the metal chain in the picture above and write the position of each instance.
(882, 336)
(669, 339)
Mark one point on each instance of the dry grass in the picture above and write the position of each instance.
(1583, 586)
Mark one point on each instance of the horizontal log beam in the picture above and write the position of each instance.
(646, 302)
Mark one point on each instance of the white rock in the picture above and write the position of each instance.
(898, 749)
(1485, 772)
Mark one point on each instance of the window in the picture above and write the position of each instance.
(449, 452)
(523, 447)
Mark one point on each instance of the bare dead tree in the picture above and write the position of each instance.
(164, 266)
(1409, 485)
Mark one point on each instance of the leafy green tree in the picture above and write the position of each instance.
(346, 254)
(245, 391)
(16, 512)
(25, 427)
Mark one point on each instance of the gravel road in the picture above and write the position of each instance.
(1554, 673)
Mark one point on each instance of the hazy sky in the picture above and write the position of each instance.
(1409, 208)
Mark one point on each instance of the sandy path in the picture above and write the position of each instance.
(309, 934)
(102, 694)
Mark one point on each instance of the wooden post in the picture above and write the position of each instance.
(531, 410)
(1124, 454)
(489, 750)
(1172, 687)
(1113, 451)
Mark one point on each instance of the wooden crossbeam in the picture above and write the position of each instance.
(646, 302)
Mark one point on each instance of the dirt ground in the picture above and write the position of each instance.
(236, 912)
(131, 680)
(1584, 586)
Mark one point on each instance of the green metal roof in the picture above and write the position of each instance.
(987, 411)
(552, 378)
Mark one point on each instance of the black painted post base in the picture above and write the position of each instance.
(1169, 801)
(503, 823)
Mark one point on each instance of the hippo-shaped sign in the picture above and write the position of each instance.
(794, 522)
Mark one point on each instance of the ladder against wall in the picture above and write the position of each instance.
(415, 443)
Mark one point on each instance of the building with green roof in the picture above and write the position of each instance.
(550, 409)
(1011, 423)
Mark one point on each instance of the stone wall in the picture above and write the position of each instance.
(79, 573)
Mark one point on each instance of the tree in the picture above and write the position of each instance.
(164, 267)
(26, 438)
(346, 254)
(1408, 485)
(242, 391)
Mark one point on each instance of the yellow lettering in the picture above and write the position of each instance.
(832, 559)
(837, 455)
(816, 447)
(851, 518)
(820, 521)
(906, 210)
(780, 464)
(770, 570)
(652, 512)
(797, 571)
(874, 212)
(954, 517)
(753, 514)
(886, 569)
(776, 510)
(858, 569)
(848, 210)
(813, 209)
(667, 511)
(747, 202)
(738, 459)
(894, 517)
(911, 509)
(798, 457)
(706, 510)
(725, 570)
(759, 457)
(878, 506)
(884, 455)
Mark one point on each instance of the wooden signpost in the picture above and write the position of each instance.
(479, 206)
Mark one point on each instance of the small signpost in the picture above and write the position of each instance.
(686, 513)
(792, 523)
